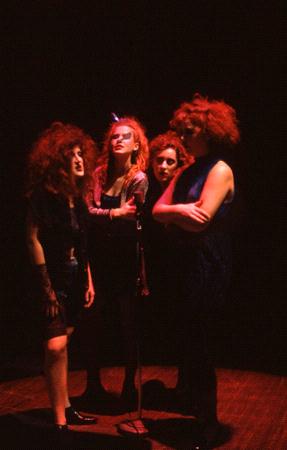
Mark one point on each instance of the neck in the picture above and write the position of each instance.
(199, 147)
(71, 201)
(121, 167)
(164, 184)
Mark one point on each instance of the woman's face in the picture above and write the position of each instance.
(164, 165)
(191, 135)
(77, 168)
(122, 141)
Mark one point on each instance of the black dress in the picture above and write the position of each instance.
(202, 267)
(61, 229)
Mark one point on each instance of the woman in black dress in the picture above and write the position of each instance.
(195, 207)
(112, 247)
(167, 156)
(59, 167)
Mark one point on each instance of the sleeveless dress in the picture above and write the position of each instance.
(203, 259)
(201, 272)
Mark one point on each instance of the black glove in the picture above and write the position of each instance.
(50, 302)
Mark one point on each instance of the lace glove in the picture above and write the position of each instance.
(51, 305)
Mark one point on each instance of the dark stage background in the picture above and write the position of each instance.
(79, 63)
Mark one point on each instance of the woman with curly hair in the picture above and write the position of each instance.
(167, 156)
(59, 167)
(112, 207)
(195, 207)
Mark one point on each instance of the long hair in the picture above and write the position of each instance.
(48, 164)
(139, 159)
(168, 140)
(216, 118)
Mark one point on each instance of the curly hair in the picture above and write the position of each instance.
(168, 140)
(48, 163)
(217, 119)
(139, 159)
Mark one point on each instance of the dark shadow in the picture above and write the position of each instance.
(107, 404)
(183, 434)
(157, 397)
(27, 430)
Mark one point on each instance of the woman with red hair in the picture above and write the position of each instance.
(195, 207)
(112, 245)
(59, 167)
(166, 155)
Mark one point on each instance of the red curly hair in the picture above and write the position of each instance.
(216, 118)
(139, 159)
(48, 163)
(168, 140)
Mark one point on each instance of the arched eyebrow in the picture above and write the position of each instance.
(124, 135)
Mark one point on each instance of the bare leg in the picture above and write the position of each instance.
(56, 372)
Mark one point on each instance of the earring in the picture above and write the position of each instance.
(134, 156)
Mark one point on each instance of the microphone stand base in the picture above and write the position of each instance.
(133, 428)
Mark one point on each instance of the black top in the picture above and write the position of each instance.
(61, 228)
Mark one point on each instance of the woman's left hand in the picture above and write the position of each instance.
(194, 212)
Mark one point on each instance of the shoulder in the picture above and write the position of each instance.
(139, 176)
(221, 170)
(42, 204)
(40, 197)
(97, 172)
(138, 182)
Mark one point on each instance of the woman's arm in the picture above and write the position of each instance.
(35, 248)
(125, 211)
(90, 292)
(196, 216)
(128, 209)
(97, 213)
(37, 255)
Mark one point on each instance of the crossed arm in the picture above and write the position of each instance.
(195, 217)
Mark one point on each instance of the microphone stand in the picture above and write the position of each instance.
(136, 426)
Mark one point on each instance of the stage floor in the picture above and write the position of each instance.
(252, 406)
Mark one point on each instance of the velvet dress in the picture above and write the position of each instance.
(201, 273)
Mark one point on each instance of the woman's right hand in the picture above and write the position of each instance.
(127, 211)
(51, 305)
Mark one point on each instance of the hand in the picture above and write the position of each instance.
(89, 297)
(127, 211)
(195, 212)
(51, 305)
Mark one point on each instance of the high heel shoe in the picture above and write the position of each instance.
(75, 418)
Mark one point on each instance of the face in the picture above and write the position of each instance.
(164, 165)
(191, 134)
(122, 141)
(77, 163)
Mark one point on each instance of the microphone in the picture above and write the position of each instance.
(139, 200)
(142, 278)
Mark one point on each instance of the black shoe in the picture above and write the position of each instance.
(75, 418)
(60, 428)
